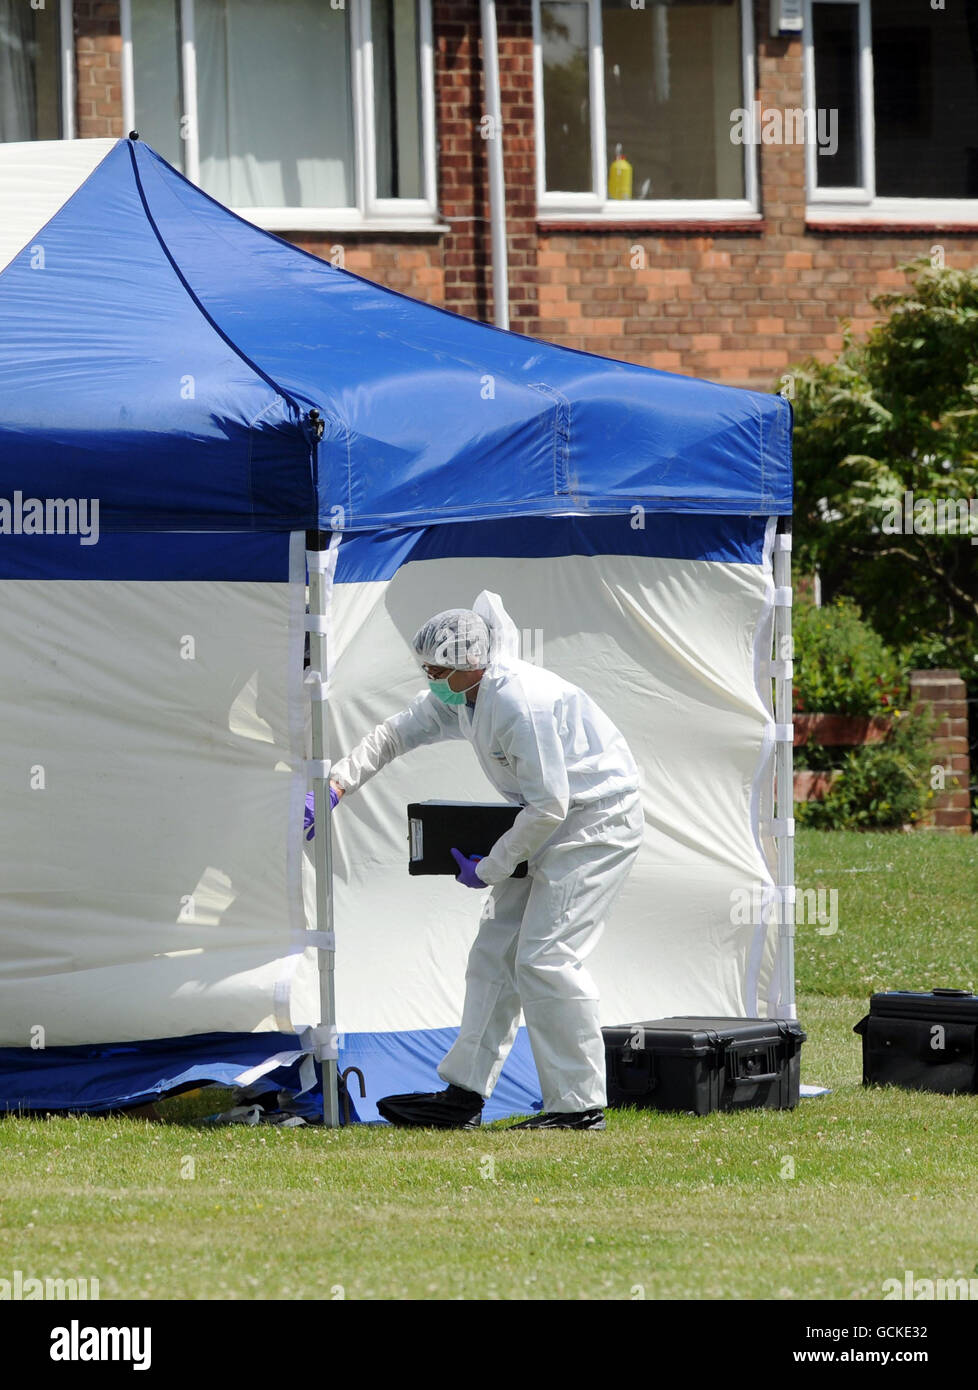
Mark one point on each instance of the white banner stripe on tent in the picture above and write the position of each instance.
(35, 183)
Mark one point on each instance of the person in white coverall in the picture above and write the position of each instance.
(546, 745)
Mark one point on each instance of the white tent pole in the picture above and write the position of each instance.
(323, 839)
(784, 765)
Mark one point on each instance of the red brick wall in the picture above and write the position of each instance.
(946, 694)
(406, 261)
(98, 71)
(463, 157)
(462, 166)
(515, 26)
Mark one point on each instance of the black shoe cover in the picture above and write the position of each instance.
(454, 1108)
(571, 1119)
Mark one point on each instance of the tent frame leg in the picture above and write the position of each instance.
(784, 772)
(317, 543)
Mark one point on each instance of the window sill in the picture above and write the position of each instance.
(303, 220)
(870, 225)
(898, 215)
(690, 226)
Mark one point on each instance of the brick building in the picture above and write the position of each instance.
(766, 184)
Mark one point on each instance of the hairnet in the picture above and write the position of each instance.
(457, 638)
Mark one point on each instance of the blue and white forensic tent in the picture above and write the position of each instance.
(183, 397)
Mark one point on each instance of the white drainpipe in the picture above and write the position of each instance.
(497, 184)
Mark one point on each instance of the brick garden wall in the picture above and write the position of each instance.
(946, 694)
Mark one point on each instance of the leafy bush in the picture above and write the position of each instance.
(882, 785)
(842, 666)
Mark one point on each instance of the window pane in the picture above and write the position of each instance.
(566, 97)
(926, 97)
(30, 72)
(397, 98)
(835, 35)
(672, 79)
(274, 105)
(156, 76)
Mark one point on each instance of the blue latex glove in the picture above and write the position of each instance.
(310, 816)
(468, 875)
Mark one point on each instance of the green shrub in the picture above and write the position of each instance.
(842, 666)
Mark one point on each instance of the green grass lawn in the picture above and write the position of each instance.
(826, 1201)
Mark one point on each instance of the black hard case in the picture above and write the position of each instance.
(435, 828)
(704, 1064)
(924, 1040)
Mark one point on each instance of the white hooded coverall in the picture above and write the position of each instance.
(546, 745)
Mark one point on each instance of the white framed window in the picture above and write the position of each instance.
(298, 114)
(897, 85)
(37, 71)
(636, 109)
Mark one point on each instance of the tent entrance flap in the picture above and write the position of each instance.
(669, 628)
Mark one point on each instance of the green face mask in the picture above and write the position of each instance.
(444, 692)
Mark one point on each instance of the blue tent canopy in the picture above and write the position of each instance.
(162, 354)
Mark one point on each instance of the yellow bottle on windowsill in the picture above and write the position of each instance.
(620, 177)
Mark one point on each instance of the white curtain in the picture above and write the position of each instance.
(397, 108)
(274, 103)
(156, 75)
(18, 100)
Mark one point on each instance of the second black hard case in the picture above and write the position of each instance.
(924, 1040)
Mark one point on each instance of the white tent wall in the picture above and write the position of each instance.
(153, 773)
(673, 650)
